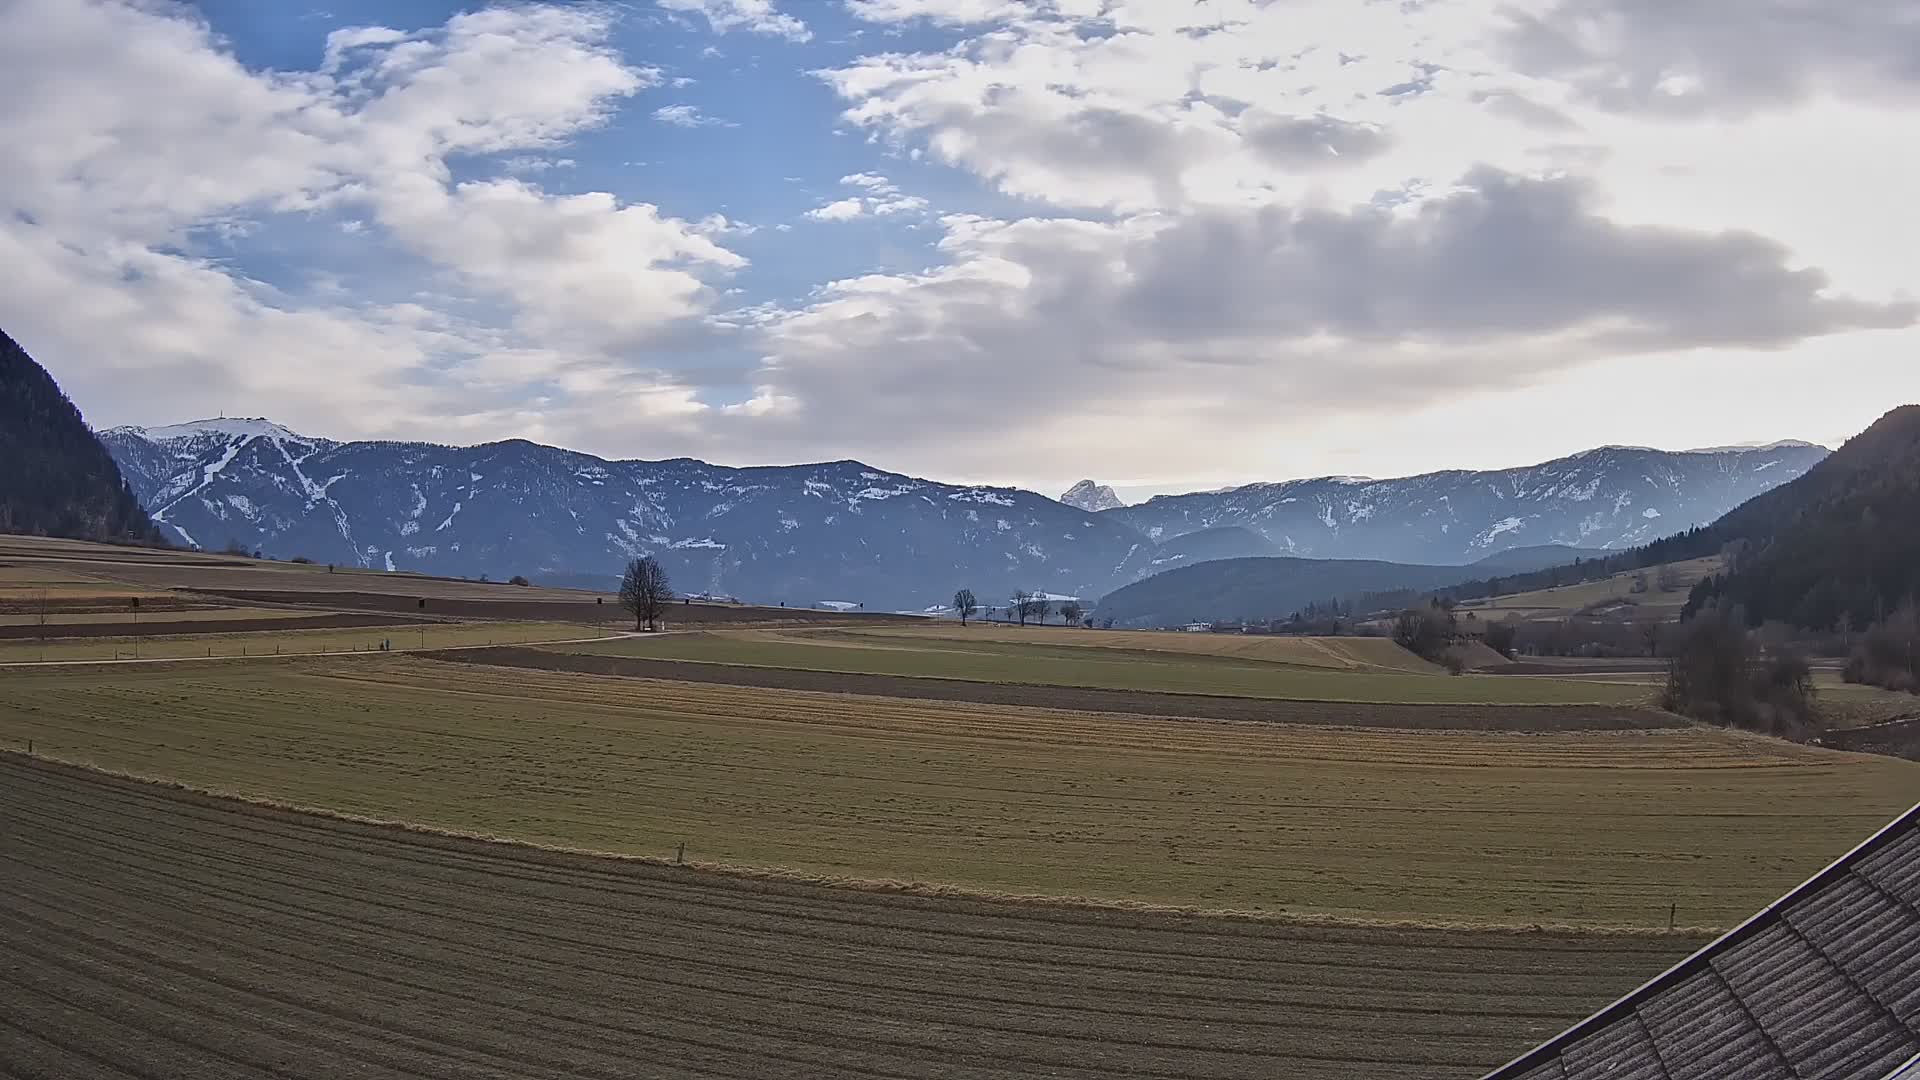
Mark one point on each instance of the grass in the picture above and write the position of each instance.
(1338, 653)
(1568, 600)
(1042, 663)
(1584, 829)
(440, 635)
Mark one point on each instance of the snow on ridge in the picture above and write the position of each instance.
(1757, 447)
(229, 426)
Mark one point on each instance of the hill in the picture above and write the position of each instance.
(57, 480)
(1526, 559)
(1262, 588)
(1840, 545)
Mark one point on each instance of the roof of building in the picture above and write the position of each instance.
(1825, 982)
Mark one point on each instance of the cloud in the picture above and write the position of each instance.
(1720, 56)
(1162, 106)
(838, 210)
(947, 12)
(687, 116)
(147, 135)
(756, 16)
(1140, 333)
(880, 197)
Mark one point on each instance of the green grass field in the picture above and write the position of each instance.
(1114, 669)
(1580, 828)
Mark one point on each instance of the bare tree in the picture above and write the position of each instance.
(1667, 577)
(645, 591)
(1022, 606)
(965, 605)
(1042, 607)
(1070, 612)
(1649, 631)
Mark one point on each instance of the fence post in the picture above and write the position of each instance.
(1671, 909)
(680, 856)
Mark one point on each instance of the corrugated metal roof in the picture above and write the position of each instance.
(1825, 982)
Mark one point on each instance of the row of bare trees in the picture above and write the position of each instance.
(1024, 606)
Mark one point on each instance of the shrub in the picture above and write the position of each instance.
(1717, 675)
(1424, 632)
(303, 560)
(1500, 637)
(518, 579)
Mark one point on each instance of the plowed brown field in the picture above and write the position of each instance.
(151, 932)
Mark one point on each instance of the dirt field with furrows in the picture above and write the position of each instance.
(1086, 699)
(167, 625)
(1584, 828)
(133, 912)
(580, 608)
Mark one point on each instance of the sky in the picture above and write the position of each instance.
(1165, 244)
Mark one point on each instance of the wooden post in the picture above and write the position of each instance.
(1671, 909)
(29, 747)
(680, 856)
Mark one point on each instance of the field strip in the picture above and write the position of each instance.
(293, 655)
(1370, 825)
(1088, 699)
(1119, 669)
(328, 946)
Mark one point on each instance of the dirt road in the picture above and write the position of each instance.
(150, 932)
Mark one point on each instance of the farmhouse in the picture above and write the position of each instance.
(1824, 982)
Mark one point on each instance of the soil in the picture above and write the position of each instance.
(147, 931)
(160, 628)
(1199, 706)
(573, 611)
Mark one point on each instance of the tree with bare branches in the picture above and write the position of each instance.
(1070, 612)
(645, 591)
(965, 605)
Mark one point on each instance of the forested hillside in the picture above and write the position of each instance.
(55, 477)
(1837, 548)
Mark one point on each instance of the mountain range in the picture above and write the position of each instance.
(845, 531)
(1611, 497)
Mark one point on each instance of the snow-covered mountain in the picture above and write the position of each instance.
(846, 531)
(800, 534)
(1091, 497)
(1612, 497)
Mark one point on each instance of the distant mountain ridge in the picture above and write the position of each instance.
(56, 479)
(1612, 497)
(803, 534)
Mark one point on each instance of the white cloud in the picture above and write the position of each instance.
(838, 210)
(687, 116)
(756, 16)
(949, 12)
(148, 131)
(881, 197)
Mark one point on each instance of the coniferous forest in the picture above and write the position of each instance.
(55, 477)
